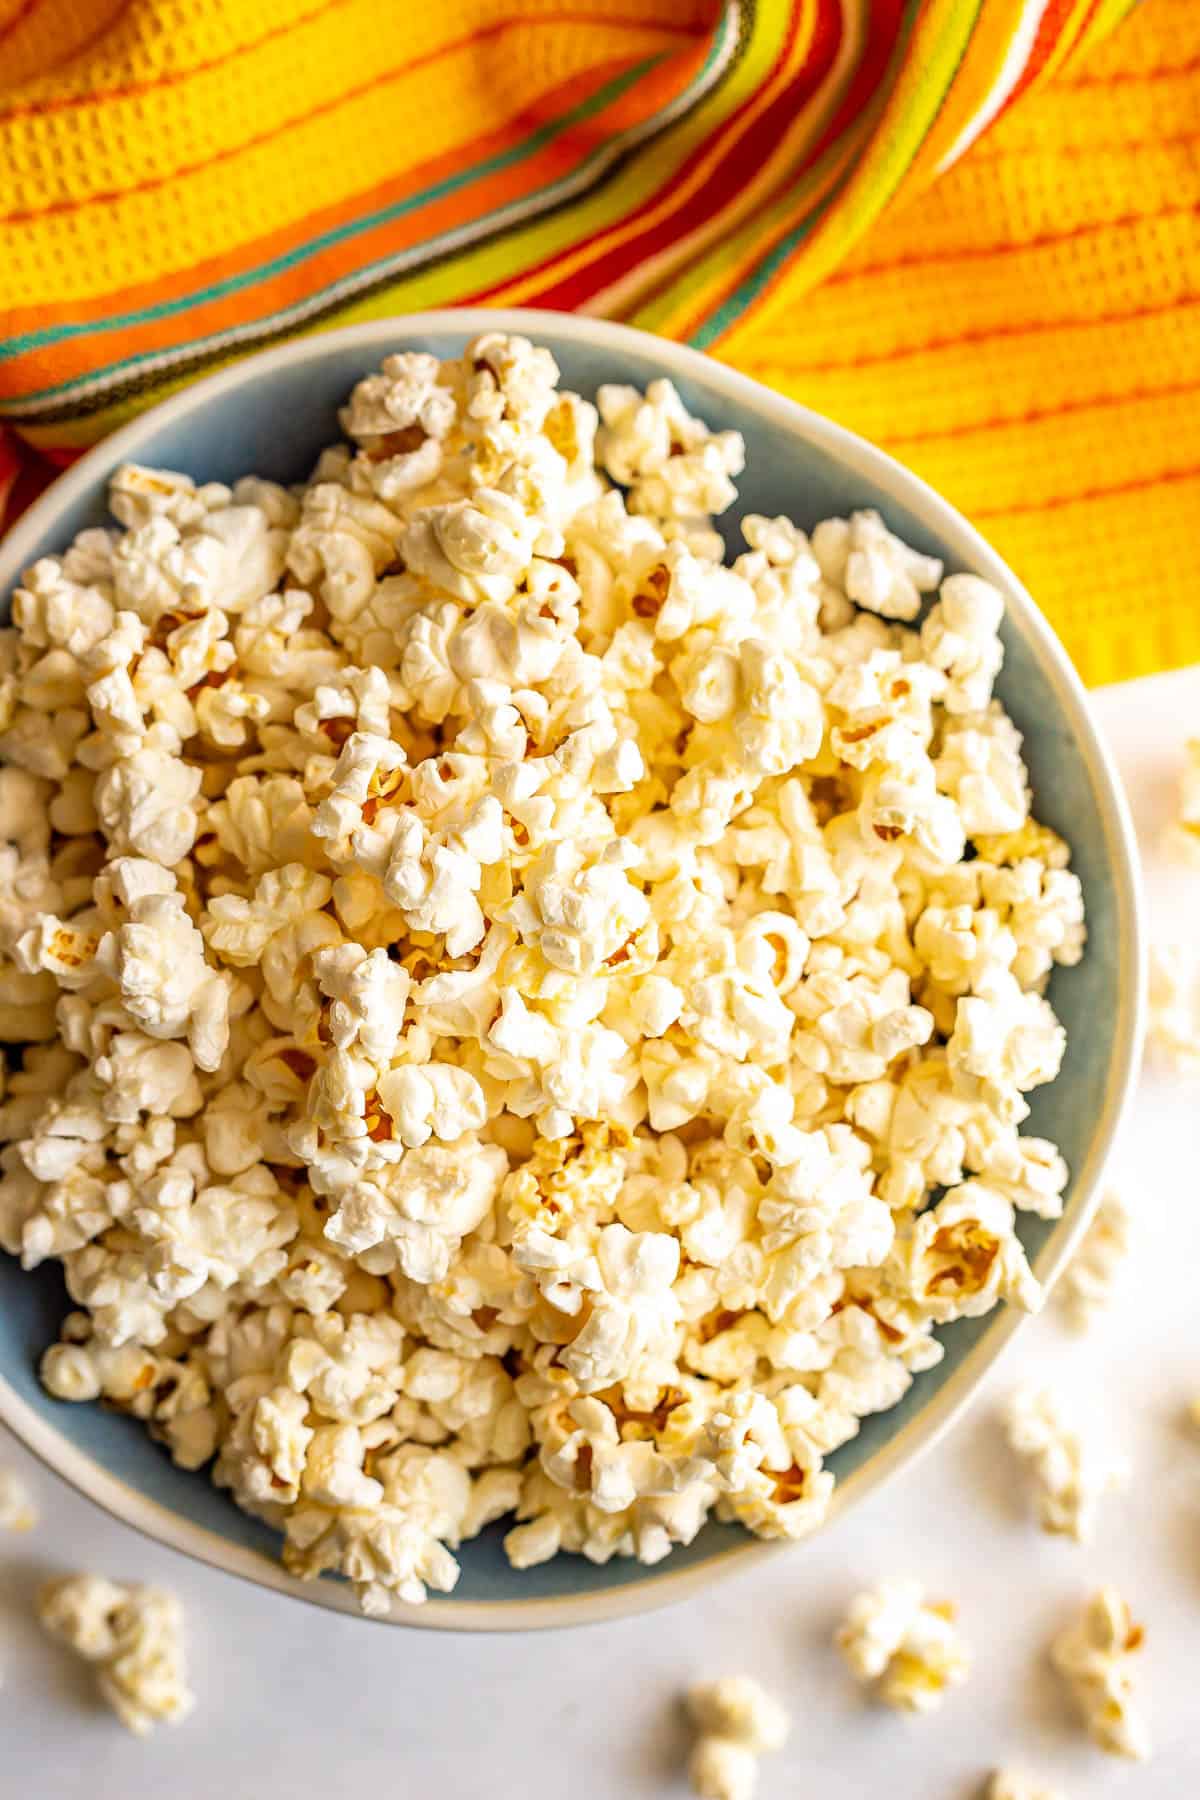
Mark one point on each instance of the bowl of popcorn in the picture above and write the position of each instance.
(570, 960)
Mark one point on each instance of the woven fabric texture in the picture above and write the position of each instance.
(184, 180)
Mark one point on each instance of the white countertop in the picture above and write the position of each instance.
(295, 1702)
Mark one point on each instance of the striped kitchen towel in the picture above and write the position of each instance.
(182, 181)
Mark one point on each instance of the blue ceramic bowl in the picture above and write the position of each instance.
(271, 415)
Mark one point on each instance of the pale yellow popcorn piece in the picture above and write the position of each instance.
(1091, 1279)
(737, 1722)
(1095, 1658)
(1069, 1476)
(1184, 834)
(1174, 1026)
(905, 1646)
(134, 1637)
(17, 1510)
(1015, 1784)
(737, 1707)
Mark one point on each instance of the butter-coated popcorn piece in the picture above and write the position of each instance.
(391, 868)
(904, 1645)
(435, 1100)
(962, 1254)
(1070, 1477)
(134, 1636)
(1095, 1657)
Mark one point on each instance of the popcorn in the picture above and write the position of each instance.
(134, 1637)
(677, 471)
(720, 1769)
(145, 804)
(873, 568)
(961, 1255)
(1185, 830)
(1090, 1280)
(1095, 1658)
(737, 1722)
(400, 417)
(519, 1011)
(157, 963)
(1174, 1030)
(736, 1707)
(960, 636)
(17, 1511)
(1004, 1042)
(905, 1645)
(1069, 1477)
(1013, 1784)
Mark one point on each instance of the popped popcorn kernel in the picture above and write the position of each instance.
(1070, 1476)
(722, 1769)
(737, 1707)
(1015, 1784)
(737, 1721)
(17, 1510)
(1174, 994)
(520, 1012)
(904, 1646)
(1095, 1658)
(1092, 1278)
(133, 1635)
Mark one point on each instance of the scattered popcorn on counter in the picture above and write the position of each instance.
(17, 1511)
(1185, 830)
(1014, 1784)
(1088, 1284)
(524, 1015)
(134, 1637)
(1070, 1478)
(1095, 1658)
(903, 1645)
(720, 1769)
(1174, 1027)
(737, 1722)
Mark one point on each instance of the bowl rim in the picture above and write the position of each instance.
(662, 1584)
